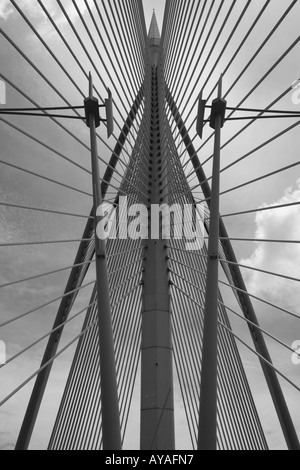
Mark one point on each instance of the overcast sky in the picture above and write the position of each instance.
(19, 188)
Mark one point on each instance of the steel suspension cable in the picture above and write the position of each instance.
(37, 175)
(254, 119)
(133, 78)
(235, 313)
(70, 50)
(20, 353)
(185, 49)
(184, 90)
(168, 22)
(178, 33)
(133, 14)
(257, 52)
(132, 32)
(270, 304)
(56, 122)
(112, 49)
(178, 7)
(261, 357)
(101, 59)
(12, 320)
(209, 53)
(48, 211)
(135, 58)
(38, 276)
(5, 400)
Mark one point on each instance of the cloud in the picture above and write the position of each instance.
(38, 17)
(279, 224)
(29, 6)
(5, 9)
(33, 9)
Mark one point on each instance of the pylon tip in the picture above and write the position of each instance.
(220, 86)
(90, 84)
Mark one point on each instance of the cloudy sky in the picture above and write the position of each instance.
(19, 188)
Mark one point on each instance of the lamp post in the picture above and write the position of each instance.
(207, 437)
(109, 392)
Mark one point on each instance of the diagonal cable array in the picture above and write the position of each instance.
(80, 409)
(188, 273)
(117, 163)
(182, 92)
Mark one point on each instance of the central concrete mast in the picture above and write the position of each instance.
(157, 402)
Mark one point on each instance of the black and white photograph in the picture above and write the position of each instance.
(149, 227)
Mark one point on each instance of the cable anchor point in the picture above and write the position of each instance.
(91, 106)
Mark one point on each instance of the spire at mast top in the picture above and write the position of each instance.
(154, 34)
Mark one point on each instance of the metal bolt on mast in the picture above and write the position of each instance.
(109, 392)
(207, 438)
